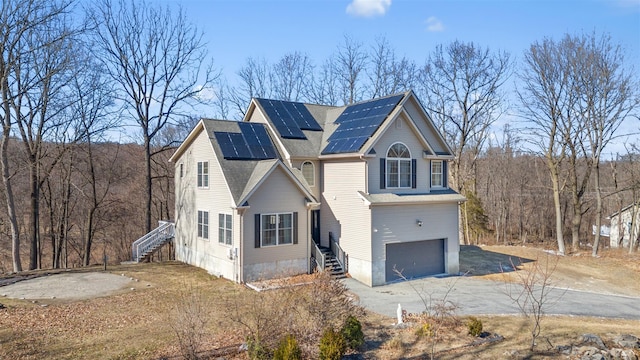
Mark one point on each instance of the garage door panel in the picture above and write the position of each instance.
(414, 259)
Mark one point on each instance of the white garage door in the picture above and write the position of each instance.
(415, 259)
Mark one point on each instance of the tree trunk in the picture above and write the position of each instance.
(556, 203)
(576, 219)
(148, 189)
(86, 259)
(596, 240)
(34, 254)
(8, 192)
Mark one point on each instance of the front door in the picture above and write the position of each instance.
(315, 226)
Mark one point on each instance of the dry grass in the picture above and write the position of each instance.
(136, 324)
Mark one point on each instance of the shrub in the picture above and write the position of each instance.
(475, 326)
(288, 349)
(352, 332)
(332, 345)
(256, 349)
(424, 330)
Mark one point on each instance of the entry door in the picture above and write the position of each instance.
(315, 226)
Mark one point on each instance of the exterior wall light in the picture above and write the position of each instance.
(419, 222)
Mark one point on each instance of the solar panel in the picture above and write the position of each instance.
(281, 119)
(358, 123)
(258, 141)
(302, 116)
(233, 146)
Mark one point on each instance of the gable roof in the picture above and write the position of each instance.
(342, 130)
(242, 176)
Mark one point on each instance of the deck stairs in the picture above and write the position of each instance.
(143, 248)
(332, 265)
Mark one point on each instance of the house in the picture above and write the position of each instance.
(293, 185)
(622, 223)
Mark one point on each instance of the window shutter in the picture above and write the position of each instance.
(257, 226)
(295, 227)
(429, 174)
(383, 174)
(445, 175)
(414, 177)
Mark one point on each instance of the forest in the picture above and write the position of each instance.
(95, 98)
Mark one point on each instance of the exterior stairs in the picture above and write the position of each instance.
(332, 265)
(147, 245)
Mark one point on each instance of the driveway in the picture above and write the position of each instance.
(477, 296)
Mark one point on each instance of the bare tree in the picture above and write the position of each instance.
(291, 76)
(157, 59)
(545, 98)
(324, 85)
(349, 65)
(388, 74)
(608, 97)
(255, 81)
(461, 89)
(36, 61)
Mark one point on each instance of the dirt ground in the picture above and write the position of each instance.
(138, 320)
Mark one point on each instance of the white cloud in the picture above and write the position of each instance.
(205, 93)
(368, 8)
(434, 24)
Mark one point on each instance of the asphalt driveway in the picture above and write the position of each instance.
(477, 296)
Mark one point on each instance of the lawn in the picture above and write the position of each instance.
(140, 322)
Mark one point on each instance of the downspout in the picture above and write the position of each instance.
(238, 258)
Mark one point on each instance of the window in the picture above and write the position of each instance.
(224, 229)
(203, 174)
(276, 229)
(308, 172)
(181, 170)
(399, 166)
(203, 224)
(436, 173)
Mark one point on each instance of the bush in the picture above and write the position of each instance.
(288, 349)
(332, 345)
(352, 333)
(475, 326)
(424, 330)
(256, 349)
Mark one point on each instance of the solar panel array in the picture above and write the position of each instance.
(358, 123)
(289, 118)
(251, 143)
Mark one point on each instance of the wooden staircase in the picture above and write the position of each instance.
(332, 265)
(147, 245)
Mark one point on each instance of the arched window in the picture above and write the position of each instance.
(398, 166)
(309, 173)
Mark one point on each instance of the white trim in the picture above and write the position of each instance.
(198, 175)
(208, 224)
(313, 174)
(431, 173)
(224, 243)
(276, 229)
(398, 160)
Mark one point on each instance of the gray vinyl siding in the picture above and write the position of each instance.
(277, 194)
(407, 136)
(394, 224)
(426, 128)
(344, 213)
(215, 199)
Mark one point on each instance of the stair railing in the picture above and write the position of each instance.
(140, 247)
(319, 256)
(341, 256)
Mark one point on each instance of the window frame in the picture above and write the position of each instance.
(202, 176)
(440, 175)
(394, 180)
(202, 227)
(313, 172)
(226, 232)
(276, 229)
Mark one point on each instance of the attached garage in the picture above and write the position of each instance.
(415, 259)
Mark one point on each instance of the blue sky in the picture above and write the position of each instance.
(236, 30)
